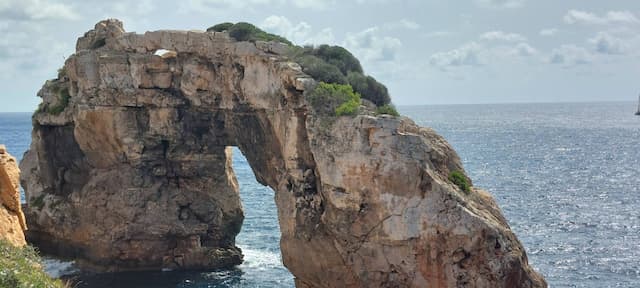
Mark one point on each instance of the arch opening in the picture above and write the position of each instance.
(259, 237)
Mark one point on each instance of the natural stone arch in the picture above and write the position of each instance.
(134, 172)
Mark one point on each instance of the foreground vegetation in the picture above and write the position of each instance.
(328, 64)
(21, 268)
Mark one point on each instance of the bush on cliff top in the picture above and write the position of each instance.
(332, 99)
(243, 31)
(325, 63)
(387, 109)
(21, 268)
(334, 64)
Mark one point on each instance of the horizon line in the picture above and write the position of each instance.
(469, 104)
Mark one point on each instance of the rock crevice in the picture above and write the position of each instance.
(134, 172)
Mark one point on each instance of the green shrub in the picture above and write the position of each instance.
(459, 179)
(243, 31)
(325, 63)
(330, 99)
(21, 268)
(334, 64)
(349, 108)
(369, 88)
(220, 27)
(321, 71)
(63, 101)
(339, 57)
(388, 109)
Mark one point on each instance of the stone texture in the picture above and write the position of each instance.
(135, 173)
(12, 222)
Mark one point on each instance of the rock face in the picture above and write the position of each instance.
(134, 171)
(12, 223)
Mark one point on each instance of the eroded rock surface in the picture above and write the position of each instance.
(135, 173)
(12, 222)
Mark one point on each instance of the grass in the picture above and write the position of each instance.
(458, 178)
(22, 268)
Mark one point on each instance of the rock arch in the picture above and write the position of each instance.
(128, 169)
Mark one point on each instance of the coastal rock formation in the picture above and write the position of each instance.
(12, 223)
(129, 168)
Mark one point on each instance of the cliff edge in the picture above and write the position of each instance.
(12, 222)
(130, 168)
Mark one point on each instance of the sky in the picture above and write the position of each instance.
(427, 52)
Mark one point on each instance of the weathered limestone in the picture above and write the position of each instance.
(12, 223)
(135, 172)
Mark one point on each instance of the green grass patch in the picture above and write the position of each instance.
(458, 178)
(22, 268)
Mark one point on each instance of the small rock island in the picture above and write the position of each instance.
(130, 169)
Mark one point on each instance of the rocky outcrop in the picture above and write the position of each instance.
(134, 172)
(12, 223)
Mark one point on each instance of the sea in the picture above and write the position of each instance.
(566, 175)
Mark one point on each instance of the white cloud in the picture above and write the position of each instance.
(524, 50)
(570, 55)
(30, 10)
(372, 1)
(605, 43)
(26, 49)
(411, 25)
(611, 17)
(313, 4)
(502, 36)
(205, 5)
(549, 32)
(401, 24)
(371, 46)
(301, 33)
(437, 34)
(466, 55)
(500, 3)
(495, 47)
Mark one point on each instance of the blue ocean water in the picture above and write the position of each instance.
(567, 177)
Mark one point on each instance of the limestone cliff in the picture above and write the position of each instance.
(129, 168)
(12, 223)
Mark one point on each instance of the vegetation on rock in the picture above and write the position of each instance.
(334, 64)
(460, 180)
(63, 100)
(325, 63)
(220, 27)
(387, 109)
(21, 268)
(330, 99)
(243, 31)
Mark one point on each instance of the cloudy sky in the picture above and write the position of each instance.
(425, 51)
